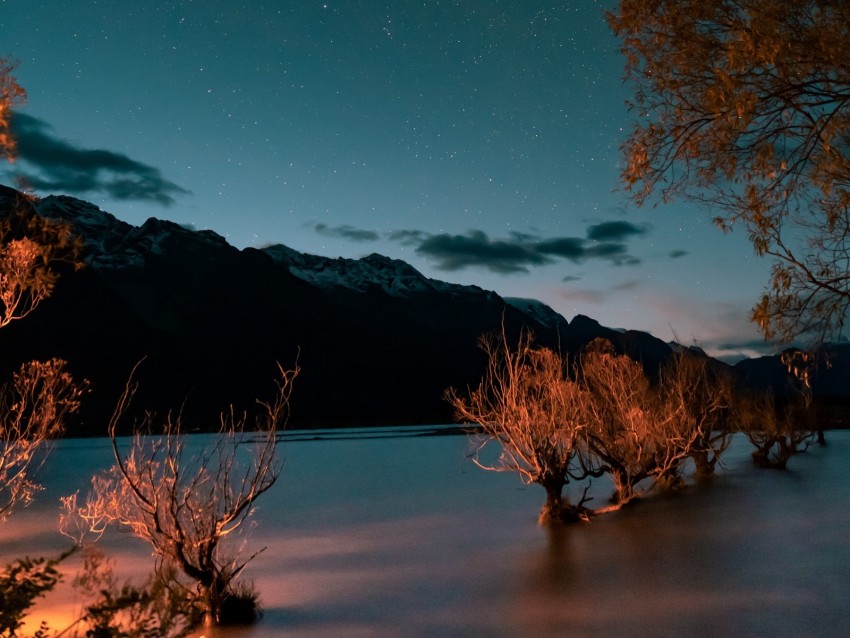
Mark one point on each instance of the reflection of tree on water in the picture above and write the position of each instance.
(555, 569)
(548, 584)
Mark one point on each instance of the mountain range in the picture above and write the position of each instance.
(377, 342)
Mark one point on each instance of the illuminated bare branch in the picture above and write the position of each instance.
(187, 501)
(698, 395)
(33, 409)
(530, 407)
(629, 432)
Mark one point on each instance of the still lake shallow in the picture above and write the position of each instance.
(402, 535)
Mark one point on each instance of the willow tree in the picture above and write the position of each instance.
(744, 106)
(528, 405)
(639, 432)
(773, 427)
(186, 502)
(697, 397)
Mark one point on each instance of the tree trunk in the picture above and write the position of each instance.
(558, 509)
(623, 486)
(704, 464)
(764, 456)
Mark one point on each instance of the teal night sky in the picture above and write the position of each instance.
(479, 141)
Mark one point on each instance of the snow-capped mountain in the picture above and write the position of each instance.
(393, 276)
(113, 244)
(537, 309)
(377, 342)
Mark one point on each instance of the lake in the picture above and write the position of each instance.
(396, 533)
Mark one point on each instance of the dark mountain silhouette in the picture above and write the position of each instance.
(829, 379)
(378, 343)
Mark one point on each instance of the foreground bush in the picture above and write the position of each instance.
(21, 583)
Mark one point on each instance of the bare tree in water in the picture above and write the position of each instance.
(186, 501)
(698, 395)
(528, 405)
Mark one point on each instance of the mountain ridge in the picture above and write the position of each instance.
(378, 342)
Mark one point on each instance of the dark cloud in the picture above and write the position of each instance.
(408, 237)
(675, 254)
(570, 278)
(454, 252)
(347, 232)
(578, 250)
(614, 231)
(517, 253)
(572, 248)
(63, 167)
(615, 252)
(518, 236)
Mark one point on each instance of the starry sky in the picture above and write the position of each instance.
(478, 140)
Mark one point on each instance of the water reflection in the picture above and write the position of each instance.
(403, 537)
(553, 572)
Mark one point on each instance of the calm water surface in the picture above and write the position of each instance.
(403, 536)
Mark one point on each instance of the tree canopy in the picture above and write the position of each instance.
(744, 106)
(11, 95)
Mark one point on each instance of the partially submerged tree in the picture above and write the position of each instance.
(35, 404)
(698, 398)
(773, 427)
(186, 501)
(527, 404)
(636, 436)
(744, 106)
(556, 422)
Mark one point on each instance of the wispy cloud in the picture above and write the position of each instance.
(59, 166)
(615, 231)
(676, 254)
(408, 237)
(347, 232)
(626, 285)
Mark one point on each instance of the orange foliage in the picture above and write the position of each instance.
(556, 422)
(11, 95)
(744, 106)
